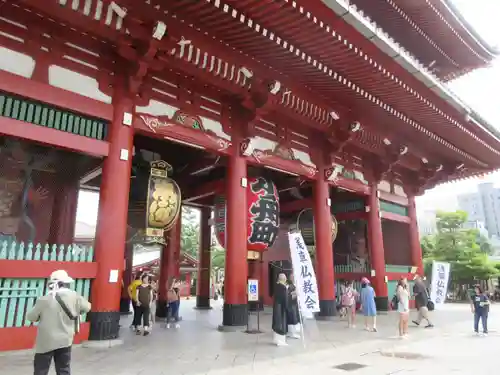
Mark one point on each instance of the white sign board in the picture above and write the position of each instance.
(305, 277)
(439, 285)
(253, 290)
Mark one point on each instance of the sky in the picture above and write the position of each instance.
(478, 89)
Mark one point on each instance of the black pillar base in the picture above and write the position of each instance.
(234, 316)
(203, 303)
(161, 309)
(256, 305)
(382, 303)
(124, 306)
(328, 309)
(104, 325)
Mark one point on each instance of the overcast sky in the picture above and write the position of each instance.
(479, 89)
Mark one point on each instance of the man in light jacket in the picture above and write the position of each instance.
(58, 316)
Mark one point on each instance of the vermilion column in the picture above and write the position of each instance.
(377, 256)
(127, 278)
(112, 223)
(204, 261)
(235, 311)
(416, 250)
(324, 247)
(168, 269)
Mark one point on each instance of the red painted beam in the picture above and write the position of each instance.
(403, 201)
(44, 93)
(21, 338)
(351, 215)
(53, 137)
(205, 190)
(395, 217)
(353, 186)
(40, 269)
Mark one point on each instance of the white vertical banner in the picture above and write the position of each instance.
(305, 277)
(439, 285)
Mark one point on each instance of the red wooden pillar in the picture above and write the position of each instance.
(112, 223)
(376, 244)
(204, 261)
(127, 278)
(416, 249)
(235, 310)
(169, 266)
(63, 219)
(324, 246)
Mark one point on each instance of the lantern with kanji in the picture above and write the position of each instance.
(263, 215)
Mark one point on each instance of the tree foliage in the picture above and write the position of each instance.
(465, 249)
(190, 233)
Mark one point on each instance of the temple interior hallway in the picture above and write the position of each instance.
(198, 348)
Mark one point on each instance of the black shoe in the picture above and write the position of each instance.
(415, 322)
(146, 333)
(429, 326)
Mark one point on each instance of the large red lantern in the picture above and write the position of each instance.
(263, 215)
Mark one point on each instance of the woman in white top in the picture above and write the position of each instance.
(403, 295)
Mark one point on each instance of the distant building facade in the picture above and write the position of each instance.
(483, 207)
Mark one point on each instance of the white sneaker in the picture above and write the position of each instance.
(168, 325)
(485, 334)
(177, 326)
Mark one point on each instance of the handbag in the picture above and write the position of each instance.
(430, 305)
(75, 319)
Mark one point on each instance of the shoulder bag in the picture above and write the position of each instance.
(75, 319)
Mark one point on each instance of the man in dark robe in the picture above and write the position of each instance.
(292, 313)
(421, 302)
(280, 311)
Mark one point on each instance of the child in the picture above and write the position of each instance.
(349, 303)
(480, 307)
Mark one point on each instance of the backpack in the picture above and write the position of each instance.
(394, 302)
(347, 297)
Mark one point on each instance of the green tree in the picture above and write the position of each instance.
(190, 232)
(465, 250)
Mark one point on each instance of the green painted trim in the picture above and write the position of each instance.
(393, 208)
(397, 268)
(13, 250)
(350, 206)
(50, 117)
(18, 296)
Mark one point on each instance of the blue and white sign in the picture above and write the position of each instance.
(253, 290)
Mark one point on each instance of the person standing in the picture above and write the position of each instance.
(58, 317)
(349, 298)
(174, 302)
(280, 307)
(403, 296)
(480, 307)
(368, 306)
(132, 293)
(144, 297)
(421, 302)
(152, 308)
(292, 312)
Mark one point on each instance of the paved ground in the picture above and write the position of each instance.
(198, 348)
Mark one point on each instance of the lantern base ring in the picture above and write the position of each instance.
(234, 317)
(328, 309)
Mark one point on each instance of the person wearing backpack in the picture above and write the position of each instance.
(58, 316)
(349, 303)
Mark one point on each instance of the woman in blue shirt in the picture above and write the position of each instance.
(368, 305)
(480, 307)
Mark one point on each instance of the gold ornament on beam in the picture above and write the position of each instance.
(163, 201)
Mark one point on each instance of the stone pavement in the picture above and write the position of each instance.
(198, 348)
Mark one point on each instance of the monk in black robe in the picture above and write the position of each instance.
(292, 312)
(280, 307)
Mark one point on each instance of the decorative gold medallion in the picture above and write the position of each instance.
(163, 201)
